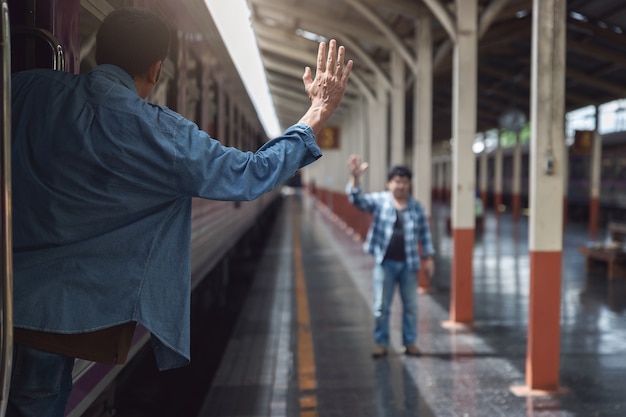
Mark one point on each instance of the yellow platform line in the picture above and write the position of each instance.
(307, 379)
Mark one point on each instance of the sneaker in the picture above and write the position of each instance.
(412, 350)
(379, 351)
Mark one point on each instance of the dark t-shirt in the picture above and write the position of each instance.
(395, 250)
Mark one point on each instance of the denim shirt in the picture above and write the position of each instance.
(384, 214)
(102, 183)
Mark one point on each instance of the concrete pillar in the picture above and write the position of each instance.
(497, 177)
(546, 202)
(448, 182)
(422, 120)
(464, 173)
(516, 203)
(364, 136)
(439, 180)
(398, 106)
(594, 192)
(378, 127)
(484, 176)
(565, 180)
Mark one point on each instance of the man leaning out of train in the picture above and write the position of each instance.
(102, 189)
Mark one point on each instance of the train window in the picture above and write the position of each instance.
(620, 168)
(507, 166)
(525, 166)
(579, 167)
(608, 169)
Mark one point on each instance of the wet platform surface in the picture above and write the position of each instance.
(291, 355)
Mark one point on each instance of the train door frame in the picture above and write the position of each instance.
(6, 307)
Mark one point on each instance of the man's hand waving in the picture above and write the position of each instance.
(327, 88)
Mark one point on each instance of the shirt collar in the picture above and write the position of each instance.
(115, 72)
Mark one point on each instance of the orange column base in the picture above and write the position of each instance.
(423, 283)
(462, 296)
(497, 202)
(483, 197)
(543, 352)
(525, 391)
(516, 206)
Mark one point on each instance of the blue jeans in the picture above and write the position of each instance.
(41, 383)
(386, 275)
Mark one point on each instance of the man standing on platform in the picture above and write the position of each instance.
(399, 223)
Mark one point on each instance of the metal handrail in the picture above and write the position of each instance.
(6, 309)
(58, 57)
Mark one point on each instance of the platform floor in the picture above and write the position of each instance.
(302, 344)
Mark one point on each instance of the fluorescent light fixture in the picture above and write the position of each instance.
(232, 19)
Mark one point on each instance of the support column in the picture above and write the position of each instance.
(565, 180)
(484, 176)
(516, 203)
(365, 139)
(546, 202)
(422, 122)
(497, 177)
(434, 164)
(379, 122)
(397, 109)
(464, 173)
(448, 183)
(441, 181)
(594, 197)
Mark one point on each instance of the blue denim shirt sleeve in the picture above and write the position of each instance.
(210, 170)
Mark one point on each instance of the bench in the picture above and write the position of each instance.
(612, 253)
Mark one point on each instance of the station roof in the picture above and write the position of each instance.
(288, 31)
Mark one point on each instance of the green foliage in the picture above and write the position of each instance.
(507, 137)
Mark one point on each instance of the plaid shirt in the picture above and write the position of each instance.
(416, 228)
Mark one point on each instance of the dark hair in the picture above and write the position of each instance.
(399, 171)
(132, 39)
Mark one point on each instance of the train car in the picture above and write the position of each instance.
(613, 178)
(199, 80)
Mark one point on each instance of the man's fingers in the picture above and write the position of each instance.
(340, 57)
(346, 73)
(321, 55)
(332, 45)
(306, 77)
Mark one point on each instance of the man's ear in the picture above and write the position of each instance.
(154, 71)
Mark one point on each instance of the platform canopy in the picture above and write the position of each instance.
(287, 32)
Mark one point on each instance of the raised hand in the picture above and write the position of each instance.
(356, 166)
(327, 88)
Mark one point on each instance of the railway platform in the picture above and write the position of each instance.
(302, 343)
